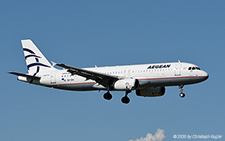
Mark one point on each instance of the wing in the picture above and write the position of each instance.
(103, 79)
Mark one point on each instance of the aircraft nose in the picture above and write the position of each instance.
(206, 75)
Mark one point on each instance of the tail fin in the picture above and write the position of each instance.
(35, 60)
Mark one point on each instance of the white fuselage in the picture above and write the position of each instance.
(148, 75)
(148, 80)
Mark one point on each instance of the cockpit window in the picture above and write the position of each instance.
(194, 68)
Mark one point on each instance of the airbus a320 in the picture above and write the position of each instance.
(148, 80)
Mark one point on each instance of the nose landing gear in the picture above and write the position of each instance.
(182, 95)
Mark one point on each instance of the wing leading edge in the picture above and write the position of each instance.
(103, 79)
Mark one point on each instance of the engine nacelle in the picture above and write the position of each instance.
(125, 84)
(151, 92)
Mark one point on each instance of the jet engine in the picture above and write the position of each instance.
(151, 92)
(126, 84)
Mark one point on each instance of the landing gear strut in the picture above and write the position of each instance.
(107, 96)
(125, 99)
(182, 95)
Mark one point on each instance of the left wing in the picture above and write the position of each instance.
(103, 79)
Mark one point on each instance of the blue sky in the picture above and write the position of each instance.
(88, 33)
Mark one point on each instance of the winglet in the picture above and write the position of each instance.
(53, 63)
(63, 66)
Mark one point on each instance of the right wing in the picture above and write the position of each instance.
(103, 79)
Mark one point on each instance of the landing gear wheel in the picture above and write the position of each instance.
(182, 95)
(107, 96)
(125, 100)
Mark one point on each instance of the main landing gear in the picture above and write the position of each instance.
(107, 96)
(182, 95)
(126, 99)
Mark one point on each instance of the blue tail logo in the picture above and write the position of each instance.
(37, 63)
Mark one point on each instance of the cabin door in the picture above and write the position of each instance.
(178, 69)
(53, 78)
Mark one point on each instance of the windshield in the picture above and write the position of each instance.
(194, 68)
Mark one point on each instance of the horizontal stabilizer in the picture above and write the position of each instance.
(25, 75)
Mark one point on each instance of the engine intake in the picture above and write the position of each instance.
(151, 92)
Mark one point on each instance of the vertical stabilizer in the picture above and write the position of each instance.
(35, 60)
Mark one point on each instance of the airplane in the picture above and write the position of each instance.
(148, 80)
